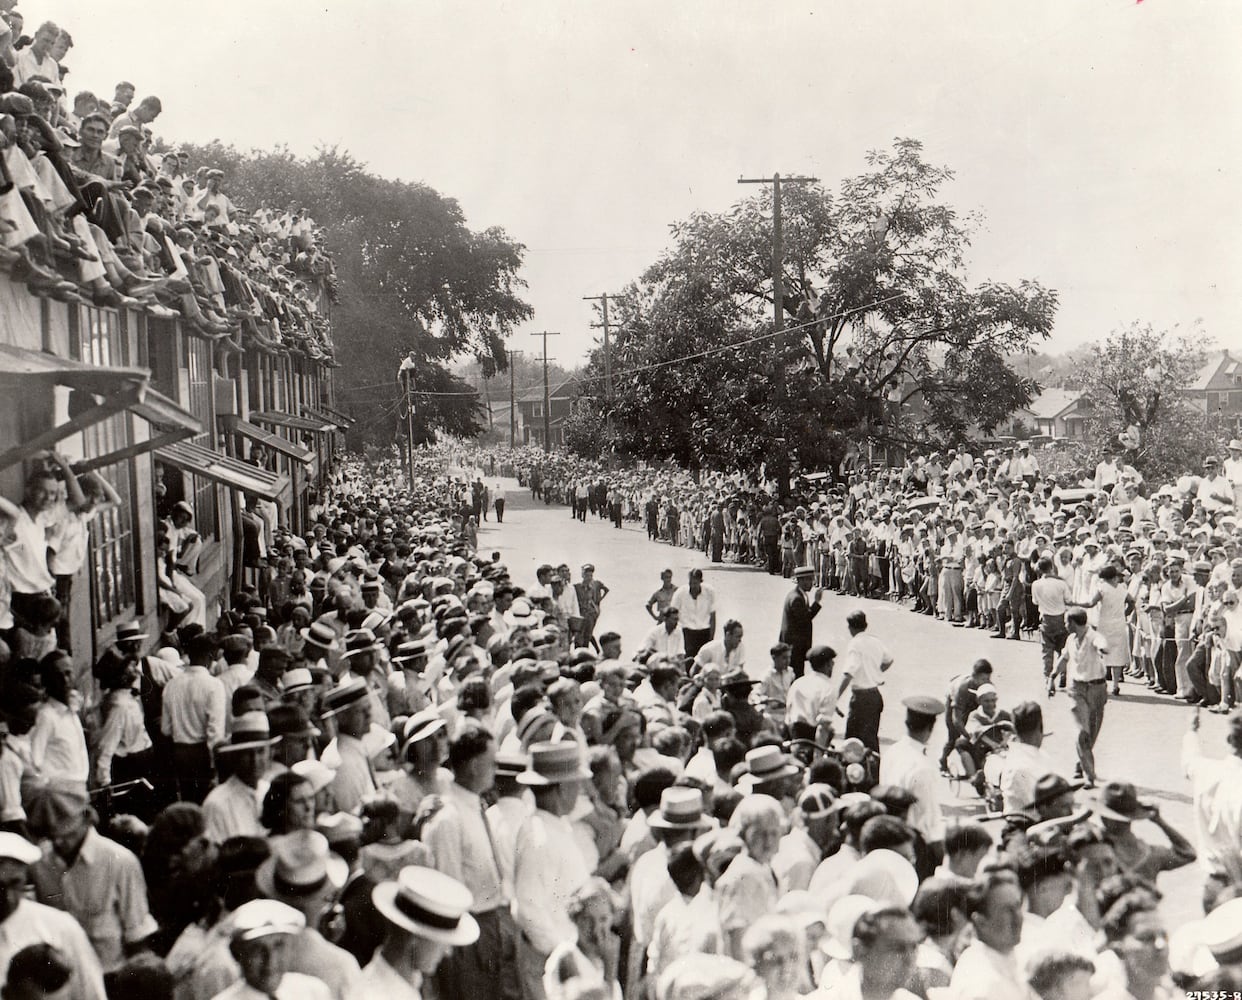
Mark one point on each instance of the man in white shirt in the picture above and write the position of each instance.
(1232, 469)
(906, 764)
(233, 808)
(866, 659)
(36, 60)
(1024, 761)
(811, 705)
(194, 715)
(727, 652)
(426, 915)
(1083, 664)
(697, 606)
(667, 638)
(547, 866)
(988, 968)
(1217, 795)
(1050, 594)
(1215, 490)
(461, 842)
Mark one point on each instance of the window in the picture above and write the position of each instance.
(537, 411)
(199, 402)
(110, 541)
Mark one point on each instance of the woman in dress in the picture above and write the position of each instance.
(1109, 593)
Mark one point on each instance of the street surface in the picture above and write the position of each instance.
(1142, 734)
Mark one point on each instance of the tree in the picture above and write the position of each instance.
(412, 276)
(1133, 386)
(886, 338)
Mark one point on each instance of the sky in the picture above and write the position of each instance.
(1099, 138)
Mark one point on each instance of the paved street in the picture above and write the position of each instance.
(1142, 733)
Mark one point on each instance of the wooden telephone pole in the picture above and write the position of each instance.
(778, 303)
(547, 434)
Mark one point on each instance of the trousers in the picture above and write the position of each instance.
(863, 721)
(1089, 697)
(487, 968)
(1052, 636)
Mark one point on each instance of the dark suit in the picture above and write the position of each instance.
(796, 626)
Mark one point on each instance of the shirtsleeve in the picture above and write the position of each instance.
(743, 900)
(137, 924)
(109, 740)
(216, 714)
(443, 837)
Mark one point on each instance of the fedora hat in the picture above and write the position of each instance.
(296, 679)
(301, 865)
(1120, 802)
(429, 904)
(767, 763)
(737, 678)
(554, 763)
(680, 809)
(1052, 786)
(251, 730)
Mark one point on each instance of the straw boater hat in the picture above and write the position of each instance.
(554, 764)
(680, 809)
(344, 695)
(130, 632)
(300, 866)
(429, 904)
(250, 731)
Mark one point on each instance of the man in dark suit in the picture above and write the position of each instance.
(798, 616)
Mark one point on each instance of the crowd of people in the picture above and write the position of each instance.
(412, 774)
(978, 542)
(96, 209)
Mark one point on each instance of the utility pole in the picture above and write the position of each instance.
(547, 435)
(603, 300)
(778, 301)
(512, 402)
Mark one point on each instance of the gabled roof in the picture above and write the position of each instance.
(567, 388)
(1051, 403)
(1208, 372)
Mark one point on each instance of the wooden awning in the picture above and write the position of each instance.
(275, 418)
(113, 389)
(233, 472)
(342, 420)
(257, 435)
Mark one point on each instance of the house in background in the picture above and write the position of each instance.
(1217, 389)
(561, 398)
(1058, 414)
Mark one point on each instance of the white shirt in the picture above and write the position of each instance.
(293, 986)
(795, 861)
(651, 887)
(661, 640)
(812, 699)
(194, 709)
(1020, 767)
(696, 612)
(865, 657)
(907, 765)
(232, 810)
(715, 652)
(1217, 791)
(1086, 660)
(33, 923)
(1050, 594)
(461, 845)
(379, 979)
(58, 744)
(547, 871)
(27, 569)
(983, 973)
(684, 927)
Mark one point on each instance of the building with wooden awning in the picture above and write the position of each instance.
(164, 416)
